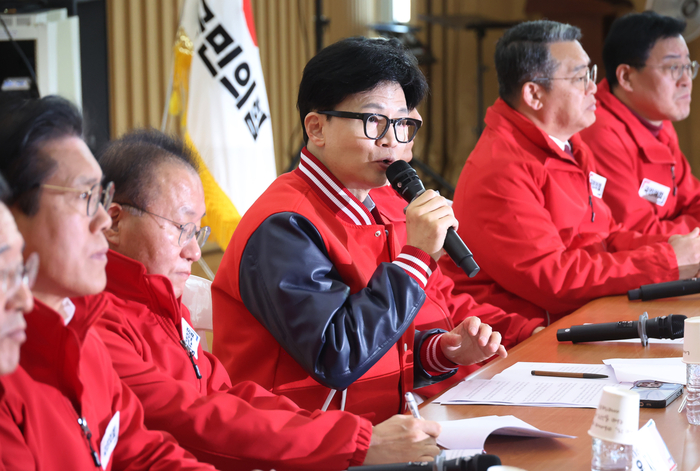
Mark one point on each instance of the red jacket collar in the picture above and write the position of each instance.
(502, 118)
(653, 148)
(332, 191)
(127, 279)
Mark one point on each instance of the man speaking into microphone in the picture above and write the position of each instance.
(330, 292)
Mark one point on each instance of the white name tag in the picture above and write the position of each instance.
(597, 184)
(191, 337)
(109, 440)
(650, 451)
(654, 192)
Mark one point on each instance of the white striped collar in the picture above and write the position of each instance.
(332, 191)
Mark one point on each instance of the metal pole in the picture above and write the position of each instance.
(320, 23)
(480, 33)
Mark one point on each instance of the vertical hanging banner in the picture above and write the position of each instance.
(226, 118)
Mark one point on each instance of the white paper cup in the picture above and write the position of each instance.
(617, 416)
(691, 340)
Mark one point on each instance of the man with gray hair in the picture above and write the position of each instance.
(553, 245)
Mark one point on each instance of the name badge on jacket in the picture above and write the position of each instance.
(191, 337)
(654, 192)
(109, 440)
(597, 184)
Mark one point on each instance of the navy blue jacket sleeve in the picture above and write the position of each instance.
(288, 282)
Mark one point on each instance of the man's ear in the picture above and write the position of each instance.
(116, 213)
(314, 124)
(532, 95)
(623, 74)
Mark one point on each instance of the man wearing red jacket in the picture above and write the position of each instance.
(319, 290)
(529, 196)
(16, 278)
(65, 407)
(650, 187)
(155, 237)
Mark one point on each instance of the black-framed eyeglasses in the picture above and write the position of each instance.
(187, 231)
(94, 196)
(25, 274)
(376, 125)
(677, 70)
(590, 76)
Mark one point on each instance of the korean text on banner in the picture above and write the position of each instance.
(226, 118)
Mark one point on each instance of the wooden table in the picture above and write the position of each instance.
(541, 454)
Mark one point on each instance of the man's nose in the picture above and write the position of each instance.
(191, 250)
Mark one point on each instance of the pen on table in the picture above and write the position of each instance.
(566, 374)
(685, 400)
(412, 406)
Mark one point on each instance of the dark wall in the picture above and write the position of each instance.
(94, 71)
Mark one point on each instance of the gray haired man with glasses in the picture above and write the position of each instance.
(158, 204)
(546, 240)
(648, 85)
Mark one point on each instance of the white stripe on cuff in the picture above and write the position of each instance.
(417, 261)
(412, 271)
(433, 356)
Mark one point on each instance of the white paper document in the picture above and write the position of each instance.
(472, 433)
(572, 393)
(522, 371)
(629, 370)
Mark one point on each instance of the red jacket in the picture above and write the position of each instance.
(317, 295)
(66, 373)
(446, 308)
(526, 211)
(626, 153)
(238, 427)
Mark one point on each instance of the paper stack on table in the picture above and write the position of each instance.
(522, 371)
(472, 433)
(516, 386)
(571, 393)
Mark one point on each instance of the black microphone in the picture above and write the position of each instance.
(406, 182)
(475, 463)
(665, 327)
(668, 289)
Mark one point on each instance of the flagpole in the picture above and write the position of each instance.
(202, 263)
(164, 121)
